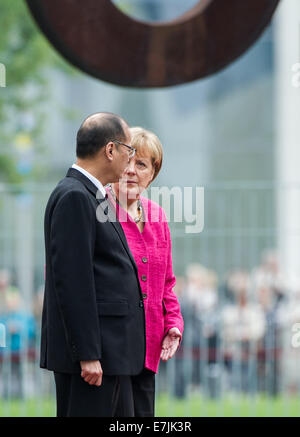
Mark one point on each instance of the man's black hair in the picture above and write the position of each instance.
(96, 131)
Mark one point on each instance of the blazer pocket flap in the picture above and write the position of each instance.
(112, 308)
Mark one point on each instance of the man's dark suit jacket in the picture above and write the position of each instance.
(93, 305)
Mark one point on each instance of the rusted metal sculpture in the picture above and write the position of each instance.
(95, 36)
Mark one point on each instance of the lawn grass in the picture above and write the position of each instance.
(195, 406)
(229, 406)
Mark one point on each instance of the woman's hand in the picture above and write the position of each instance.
(170, 344)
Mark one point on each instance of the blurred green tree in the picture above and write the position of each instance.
(27, 57)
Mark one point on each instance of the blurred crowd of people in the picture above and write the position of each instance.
(238, 330)
(237, 335)
(20, 321)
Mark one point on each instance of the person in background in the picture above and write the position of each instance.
(6, 289)
(244, 326)
(145, 225)
(20, 335)
(201, 315)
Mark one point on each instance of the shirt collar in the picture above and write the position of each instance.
(91, 178)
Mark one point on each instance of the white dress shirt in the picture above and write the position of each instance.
(91, 178)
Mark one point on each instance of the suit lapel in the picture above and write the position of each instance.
(108, 209)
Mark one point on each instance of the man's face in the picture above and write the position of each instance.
(123, 155)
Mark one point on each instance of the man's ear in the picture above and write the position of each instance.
(108, 150)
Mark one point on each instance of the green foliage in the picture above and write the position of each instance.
(8, 169)
(28, 58)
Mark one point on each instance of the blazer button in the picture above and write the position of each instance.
(144, 295)
(144, 259)
(144, 278)
(141, 304)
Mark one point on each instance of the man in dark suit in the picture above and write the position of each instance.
(93, 324)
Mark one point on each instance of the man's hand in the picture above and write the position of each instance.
(170, 344)
(91, 372)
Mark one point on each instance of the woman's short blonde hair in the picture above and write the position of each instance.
(145, 141)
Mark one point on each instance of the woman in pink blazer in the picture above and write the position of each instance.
(145, 225)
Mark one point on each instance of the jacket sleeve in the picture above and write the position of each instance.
(72, 239)
(172, 314)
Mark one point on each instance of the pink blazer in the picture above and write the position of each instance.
(151, 250)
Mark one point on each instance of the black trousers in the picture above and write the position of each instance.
(118, 396)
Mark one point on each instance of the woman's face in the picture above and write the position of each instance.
(137, 176)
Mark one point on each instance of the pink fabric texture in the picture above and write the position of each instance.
(151, 250)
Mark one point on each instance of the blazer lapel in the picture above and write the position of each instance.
(107, 207)
(110, 212)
